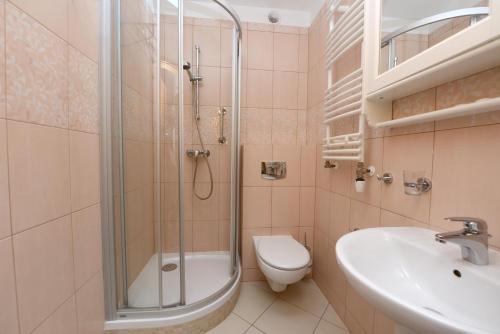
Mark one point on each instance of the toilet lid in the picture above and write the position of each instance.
(283, 253)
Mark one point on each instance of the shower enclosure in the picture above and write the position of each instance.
(170, 78)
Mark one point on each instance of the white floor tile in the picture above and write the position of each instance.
(284, 318)
(253, 330)
(332, 317)
(231, 325)
(325, 327)
(306, 295)
(253, 301)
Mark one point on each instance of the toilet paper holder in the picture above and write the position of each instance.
(273, 170)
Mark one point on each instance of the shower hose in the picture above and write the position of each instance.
(196, 161)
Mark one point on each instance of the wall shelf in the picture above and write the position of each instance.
(477, 107)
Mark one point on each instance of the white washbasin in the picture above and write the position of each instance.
(410, 277)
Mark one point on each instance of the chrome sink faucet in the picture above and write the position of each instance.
(472, 239)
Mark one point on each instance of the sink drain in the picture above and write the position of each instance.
(169, 267)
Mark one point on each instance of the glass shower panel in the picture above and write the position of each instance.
(169, 153)
(208, 47)
(133, 152)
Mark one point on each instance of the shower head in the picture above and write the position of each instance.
(187, 68)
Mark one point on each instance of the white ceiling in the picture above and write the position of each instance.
(414, 10)
(291, 12)
(310, 6)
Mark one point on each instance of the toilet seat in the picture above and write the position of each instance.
(283, 253)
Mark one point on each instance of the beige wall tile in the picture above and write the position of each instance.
(170, 201)
(341, 179)
(259, 124)
(260, 50)
(360, 309)
(205, 209)
(226, 47)
(363, 215)
(286, 52)
(82, 92)
(210, 86)
(322, 211)
(336, 281)
(39, 174)
(253, 26)
(46, 250)
(284, 29)
(302, 94)
(303, 53)
(86, 243)
(251, 275)
(171, 236)
(256, 211)
(391, 219)
(208, 39)
(321, 254)
(8, 310)
(285, 89)
(5, 228)
(472, 88)
(285, 209)
(308, 165)
(306, 236)
(205, 236)
(2, 60)
(90, 306)
(414, 104)
(83, 26)
(224, 235)
(291, 155)
(253, 155)
(248, 259)
(285, 126)
(339, 216)
(307, 198)
(382, 324)
(478, 86)
(259, 89)
(62, 321)
(226, 87)
(36, 69)
(293, 231)
(353, 325)
(462, 183)
(414, 153)
(84, 158)
(323, 175)
(53, 14)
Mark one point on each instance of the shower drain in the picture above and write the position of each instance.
(169, 267)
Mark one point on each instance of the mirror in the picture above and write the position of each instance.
(409, 27)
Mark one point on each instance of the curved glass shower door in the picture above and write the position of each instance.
(171, 155)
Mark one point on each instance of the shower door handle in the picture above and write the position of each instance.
(222, 112)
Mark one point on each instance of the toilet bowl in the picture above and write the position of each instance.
(282, 259)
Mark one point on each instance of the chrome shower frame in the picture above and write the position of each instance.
(107, 69)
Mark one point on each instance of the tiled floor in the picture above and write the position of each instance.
(301, 309)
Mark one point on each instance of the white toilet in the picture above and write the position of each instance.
(282, 259)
